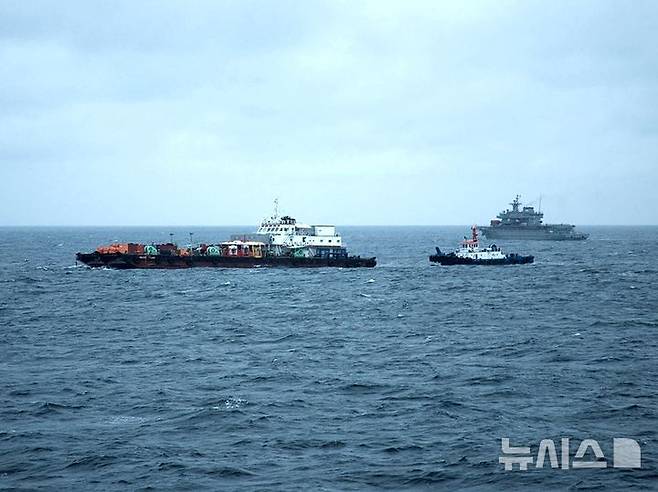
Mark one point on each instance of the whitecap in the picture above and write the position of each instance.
(126, 420)
(233, 403)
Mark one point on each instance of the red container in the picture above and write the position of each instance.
(166, 247)
(135, 249)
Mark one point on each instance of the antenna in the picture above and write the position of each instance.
(276, 208)
(515, 203)
(540, 203)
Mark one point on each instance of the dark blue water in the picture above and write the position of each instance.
(406, 375)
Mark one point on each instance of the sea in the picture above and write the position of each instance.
(405, 376)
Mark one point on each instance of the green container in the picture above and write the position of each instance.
(213, 251)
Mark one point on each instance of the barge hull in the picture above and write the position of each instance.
(122, 261)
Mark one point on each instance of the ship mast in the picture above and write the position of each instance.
(276, 208)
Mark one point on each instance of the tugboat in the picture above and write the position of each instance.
(470, 253)
(525, 223)
(279, 242)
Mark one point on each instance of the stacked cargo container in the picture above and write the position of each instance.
(122, 248)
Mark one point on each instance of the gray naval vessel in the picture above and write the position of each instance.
(526, 223)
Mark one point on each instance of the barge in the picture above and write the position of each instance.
(278, 242)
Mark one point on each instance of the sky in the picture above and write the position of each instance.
(349, 112)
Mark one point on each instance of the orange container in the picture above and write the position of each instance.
(113, 249)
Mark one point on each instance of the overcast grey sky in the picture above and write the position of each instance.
(202, 112)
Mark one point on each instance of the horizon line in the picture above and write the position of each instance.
(252, 225)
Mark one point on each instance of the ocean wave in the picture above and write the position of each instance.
(47, 407)
(364, 388)
(229, 472)
(92, 462)
(626, 323)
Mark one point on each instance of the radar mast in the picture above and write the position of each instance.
(515, 203)
(276, 208)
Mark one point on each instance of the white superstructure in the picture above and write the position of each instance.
(470, 248)
(284, 236)
(286, 231)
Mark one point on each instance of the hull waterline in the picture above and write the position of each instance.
(527, 234)
(121, 261)
(451, 259)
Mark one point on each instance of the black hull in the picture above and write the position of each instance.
(452, 259)
(128, 262)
